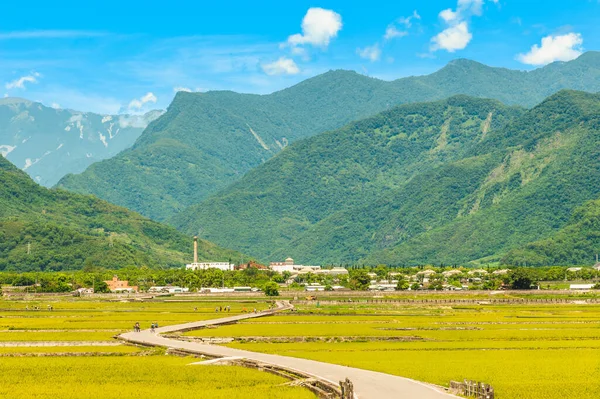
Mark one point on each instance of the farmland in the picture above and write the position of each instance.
(69, 352)
(530, 351)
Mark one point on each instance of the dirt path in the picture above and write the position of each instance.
(367, 384)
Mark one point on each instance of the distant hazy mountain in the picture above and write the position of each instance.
(43, 229)
(447, 182)
(206, 141)
(49, 143)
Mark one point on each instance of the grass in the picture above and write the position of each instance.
(154, 377)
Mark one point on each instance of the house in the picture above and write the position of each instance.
(289, 266)
(252, 265)
(597, 267)
(225, 266)
(314, 287)
(478, 271)
(574, 269)
(83, 291)
(169, 289)
(452, 272)
(116, 285)
(500, 272)
(426, 273)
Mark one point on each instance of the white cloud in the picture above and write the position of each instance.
(180, 88)
(392, 32)
(319, 26)
(453, 38)
(449, 15)
(372, 53)
(137, 104)
(20, 83)
(283, 66)
(554, 48)
(55, 105)
(456, 36)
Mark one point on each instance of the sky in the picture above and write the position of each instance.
(132, 56)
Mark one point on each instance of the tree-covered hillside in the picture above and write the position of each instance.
(577, 243)
(446, 182)
(42, 229)
(207, 141)
(335, 172)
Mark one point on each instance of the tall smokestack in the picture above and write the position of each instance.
(195, 249)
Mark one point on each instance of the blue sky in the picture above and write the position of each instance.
(131, 56)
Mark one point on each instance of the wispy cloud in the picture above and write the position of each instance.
(20, 82)
(138, 103)
(397, 29)
(49, 34)
(283, 66)
(371, 53)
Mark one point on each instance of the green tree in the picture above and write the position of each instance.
(522, 278)
(101, 287)
(402, 285)
(271, 289)
(359, 280)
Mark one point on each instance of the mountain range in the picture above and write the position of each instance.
(50, 143)
(43, 229)
(453, 181)
(207, 141)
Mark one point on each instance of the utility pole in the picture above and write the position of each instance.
(28, 248)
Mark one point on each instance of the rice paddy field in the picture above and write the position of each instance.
(70, 352)
(525, 351)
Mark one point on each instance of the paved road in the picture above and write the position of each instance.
(367, 384)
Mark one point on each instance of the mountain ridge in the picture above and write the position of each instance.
(49, 143)
(207, 141)
(518, 182)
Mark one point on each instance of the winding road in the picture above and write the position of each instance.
(367, 384)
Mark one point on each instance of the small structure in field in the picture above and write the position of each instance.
(581, 286)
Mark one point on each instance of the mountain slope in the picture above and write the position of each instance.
(548, 167)
(577, 243)
(339, 171)
(207, 141)
(43, 229)
(50, 143)
(418, 184)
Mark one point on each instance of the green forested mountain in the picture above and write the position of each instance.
(453, 181)
(206, 141)
(49, 143)
(42, 229)
(576, 243)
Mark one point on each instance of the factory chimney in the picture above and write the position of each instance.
(195, 249)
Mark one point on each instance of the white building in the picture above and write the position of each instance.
(210, 265)
(581, 286)
(169, 289)
(289, 266)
